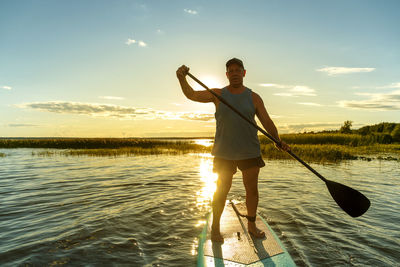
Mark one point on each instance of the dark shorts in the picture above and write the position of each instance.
(224, 165)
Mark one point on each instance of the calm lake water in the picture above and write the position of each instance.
(149, 210)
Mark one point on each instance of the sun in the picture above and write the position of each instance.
(209, 80)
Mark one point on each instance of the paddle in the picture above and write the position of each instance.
(350, 200)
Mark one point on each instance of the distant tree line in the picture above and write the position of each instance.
(385, 132)
(381, 133)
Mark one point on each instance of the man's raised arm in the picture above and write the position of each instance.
(199, 96)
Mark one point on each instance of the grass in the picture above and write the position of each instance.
(91, 143)
(124, 151)
(331, 139)
(331, 147)
(310, 153)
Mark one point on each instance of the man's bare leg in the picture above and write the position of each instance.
(224, 183)
(250, 181)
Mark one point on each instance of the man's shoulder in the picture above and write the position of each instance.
(257, 100)
(255, 95)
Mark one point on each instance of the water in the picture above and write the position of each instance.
(149, 210)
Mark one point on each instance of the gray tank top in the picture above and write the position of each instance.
(235, 138)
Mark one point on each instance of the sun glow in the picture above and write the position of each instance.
(204, 142)
(209, 179)
(210, 81)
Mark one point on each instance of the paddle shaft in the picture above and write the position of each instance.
(258, 128)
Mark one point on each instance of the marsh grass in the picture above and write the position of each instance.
(92, 143)
(332, 139)
(311, 153)
(123, 151)
(110, 147)
(309, 147)
(2, 155)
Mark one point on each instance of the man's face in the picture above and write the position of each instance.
(235, 74)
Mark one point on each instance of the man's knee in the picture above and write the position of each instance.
(252, 190)
(224, 180)
(221, 192)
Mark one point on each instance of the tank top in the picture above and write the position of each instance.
(235, 138)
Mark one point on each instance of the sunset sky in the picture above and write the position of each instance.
(107, 68)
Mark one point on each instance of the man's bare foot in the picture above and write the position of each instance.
(254, 231)
(216, 236)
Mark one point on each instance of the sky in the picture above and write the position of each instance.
(108, 68)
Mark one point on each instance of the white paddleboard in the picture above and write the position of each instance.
(239, 247)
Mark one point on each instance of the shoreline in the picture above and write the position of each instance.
(337, 148)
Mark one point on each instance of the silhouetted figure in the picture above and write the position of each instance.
(236, 143)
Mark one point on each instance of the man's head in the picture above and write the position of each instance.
(235, 72)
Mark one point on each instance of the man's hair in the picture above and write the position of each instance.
(234, 61)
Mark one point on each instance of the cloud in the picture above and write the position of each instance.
(307, 127)
(197, 116)
(392, 85)
(295, 90)
(284, 94)
(130, 41)
(21, 125)
(298, 90)
(309, 104)
(112, 97)
(303, 90)
(385, 101)
(275, 85)
(139, 43)
(114, 111)
(142, 44)
(333, 71)
(5, 87)
(190, 11)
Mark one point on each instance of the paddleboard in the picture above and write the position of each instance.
(239, 247)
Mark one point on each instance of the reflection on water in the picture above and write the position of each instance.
(149, 210)
(204, 196)
(208, 179)
(204, 142)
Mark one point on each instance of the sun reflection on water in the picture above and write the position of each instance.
(209, 179)
(204, 142)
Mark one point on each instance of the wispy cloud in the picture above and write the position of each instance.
(190, 11)
(333, 71)
(307, 127)
(21, 125)
(132, 41)
(115, 111)
(295, 90)
(142, 44)
(392, 85)
(197, 116)
(112, 97)
(298, 90)
(274, 85)
(384, 101)
(309, 104)
(5, 87)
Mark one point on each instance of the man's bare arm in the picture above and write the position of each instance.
(199, 96)
(267, 122)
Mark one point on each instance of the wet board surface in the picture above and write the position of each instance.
(239, 247)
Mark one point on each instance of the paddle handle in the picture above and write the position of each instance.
(258, 127)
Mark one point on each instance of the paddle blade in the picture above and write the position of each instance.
(350, 200)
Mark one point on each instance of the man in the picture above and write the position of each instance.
(236, 142)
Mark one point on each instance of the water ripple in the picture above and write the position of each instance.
(149, 210)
